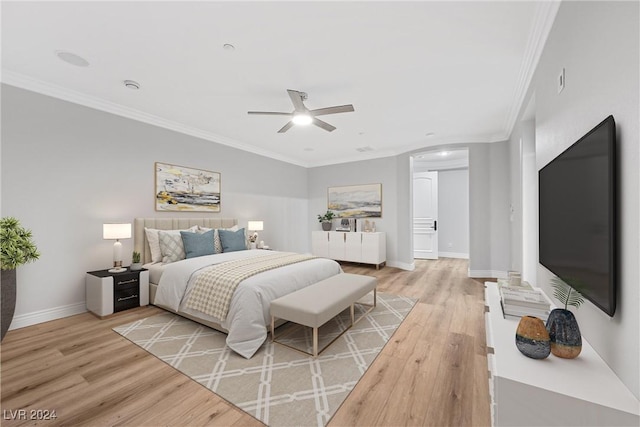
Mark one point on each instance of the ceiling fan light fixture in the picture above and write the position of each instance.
(302, 119)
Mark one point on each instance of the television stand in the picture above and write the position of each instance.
(553, 391)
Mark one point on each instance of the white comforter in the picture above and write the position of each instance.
(249, 310)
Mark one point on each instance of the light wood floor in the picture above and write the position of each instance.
(432, 372)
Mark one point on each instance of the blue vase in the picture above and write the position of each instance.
(564, 334)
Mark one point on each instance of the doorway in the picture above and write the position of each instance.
(425, 215)
(440, 198)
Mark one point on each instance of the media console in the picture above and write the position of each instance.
(553, 391)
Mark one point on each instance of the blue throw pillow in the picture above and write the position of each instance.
(196, 244)
(232, 240)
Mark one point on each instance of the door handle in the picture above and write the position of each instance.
(435, 225)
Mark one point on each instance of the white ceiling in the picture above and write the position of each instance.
(458, 70)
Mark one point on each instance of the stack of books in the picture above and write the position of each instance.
(521, 301)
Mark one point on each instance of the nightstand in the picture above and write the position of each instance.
(109, 293)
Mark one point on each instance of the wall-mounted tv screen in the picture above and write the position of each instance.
(577, 214)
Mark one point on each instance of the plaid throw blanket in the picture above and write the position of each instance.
(214, 287)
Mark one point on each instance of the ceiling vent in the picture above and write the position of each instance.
(364, 149)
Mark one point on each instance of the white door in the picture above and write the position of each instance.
(425, 215)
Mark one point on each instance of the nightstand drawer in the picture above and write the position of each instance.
(125, 281)
(124, 299)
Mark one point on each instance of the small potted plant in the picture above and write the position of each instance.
(564, 333)
(135, 262)
(325, 220)
(16, 248)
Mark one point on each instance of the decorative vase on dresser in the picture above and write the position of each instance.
(564, 334)
(532, 338)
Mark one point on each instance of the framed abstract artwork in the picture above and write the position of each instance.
(183, 189)
(356, 201)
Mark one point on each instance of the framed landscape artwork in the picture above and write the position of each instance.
(182, 189)
(356, 201)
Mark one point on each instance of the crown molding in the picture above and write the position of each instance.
(50, 89)
(59, 92)
(545, 15)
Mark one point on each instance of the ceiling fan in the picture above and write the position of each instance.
(301, 115)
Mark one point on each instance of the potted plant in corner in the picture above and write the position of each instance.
(16, 249)
(135, 262)
(326, 220)
(564, 333)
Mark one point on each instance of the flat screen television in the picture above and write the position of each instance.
(577, 214)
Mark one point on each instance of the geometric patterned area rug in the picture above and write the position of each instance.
(278, 386)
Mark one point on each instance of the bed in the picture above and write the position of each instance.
(246, 323)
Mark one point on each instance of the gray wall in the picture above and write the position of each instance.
(515, 198)
(488, 204)
(598, 45)
(453, 213)
(529, 194)
(489, 193)
(67, 169)
(376, 171)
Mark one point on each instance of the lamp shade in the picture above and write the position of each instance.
(116, 231)
(255, 225)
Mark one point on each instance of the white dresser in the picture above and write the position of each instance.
(367, 248)
(553, 391)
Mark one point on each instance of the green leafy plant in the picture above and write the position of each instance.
(135, 257)
(566, 293)
(326, 217)
(16, 244)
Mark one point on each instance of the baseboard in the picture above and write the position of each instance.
(453, 255)
(402, 265)
(497, 274)
(42, 316)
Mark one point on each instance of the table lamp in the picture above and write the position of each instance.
(117, 232)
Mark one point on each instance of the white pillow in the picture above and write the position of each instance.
(154, 241)
(154, 244)
(171, 244)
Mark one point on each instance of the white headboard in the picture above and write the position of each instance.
(141, 245)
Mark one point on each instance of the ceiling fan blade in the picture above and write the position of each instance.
(324, 125)
(296, 98)
(269, 113)
(332, 110)
(286, 127)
